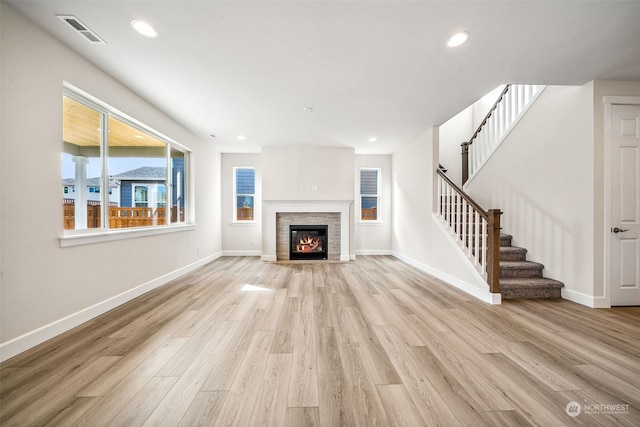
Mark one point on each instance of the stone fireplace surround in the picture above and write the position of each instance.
(312, 208)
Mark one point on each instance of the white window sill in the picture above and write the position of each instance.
(90, 238)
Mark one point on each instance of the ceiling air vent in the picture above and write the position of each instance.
(81, 28)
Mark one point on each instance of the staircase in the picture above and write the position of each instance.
(520, 278)
(476, 230)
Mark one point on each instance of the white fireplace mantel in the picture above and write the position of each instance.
(272, 207)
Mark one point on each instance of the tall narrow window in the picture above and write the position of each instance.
(125, 174)
(244, 189)
(178, 196)
(81, 165)
(369, 194)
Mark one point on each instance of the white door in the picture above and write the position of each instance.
(625, 205)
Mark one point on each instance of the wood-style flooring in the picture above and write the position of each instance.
(373, 342)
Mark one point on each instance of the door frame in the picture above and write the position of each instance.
(609, 101)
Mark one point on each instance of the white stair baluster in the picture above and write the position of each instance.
(439, 196)
(463, 234)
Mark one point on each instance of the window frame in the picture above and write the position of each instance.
(74, 237)
(377, 195)
(234, 200)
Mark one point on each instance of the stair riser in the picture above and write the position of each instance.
(530, 293)
(513, 256)
(509, 273)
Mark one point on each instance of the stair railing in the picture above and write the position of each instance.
(476, 231)
(507, 110)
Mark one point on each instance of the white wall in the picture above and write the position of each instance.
(416, 237)
(374, 237)
(241, 238)
(308, 173)
(542, 178)
(453, 133)
(47, 289)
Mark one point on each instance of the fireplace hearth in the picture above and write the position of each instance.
(308, 242)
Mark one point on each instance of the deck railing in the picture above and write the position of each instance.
(507, 110)
(244, 214)
(476, 231)
(369, 214)
(121, 217)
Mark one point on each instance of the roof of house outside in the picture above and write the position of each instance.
(142, 173)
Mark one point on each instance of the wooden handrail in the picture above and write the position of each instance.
(484, 121)
(483, 213)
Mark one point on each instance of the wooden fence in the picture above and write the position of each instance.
(121, 217)
(369, 214)
(244, 214)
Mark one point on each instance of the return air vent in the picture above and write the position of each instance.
(81, 28)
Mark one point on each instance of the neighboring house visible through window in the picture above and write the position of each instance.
(142, 170)
(244, 192)
(369, 194)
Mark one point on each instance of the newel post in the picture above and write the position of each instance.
(465, 161)
(493, 250)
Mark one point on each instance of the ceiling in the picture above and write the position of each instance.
(367, 68)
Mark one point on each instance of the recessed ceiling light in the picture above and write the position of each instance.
(241, 137)
(458, 39)
(144, 28)
(308, 109)
(373, 139)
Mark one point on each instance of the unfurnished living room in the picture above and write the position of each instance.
(327, 213)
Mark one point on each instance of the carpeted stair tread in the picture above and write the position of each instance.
(512, 253)
(505, 239)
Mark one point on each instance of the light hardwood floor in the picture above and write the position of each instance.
(365, 343)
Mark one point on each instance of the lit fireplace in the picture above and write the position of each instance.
(308, 242)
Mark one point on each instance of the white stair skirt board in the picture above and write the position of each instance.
(473, 290)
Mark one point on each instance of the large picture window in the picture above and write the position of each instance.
(244, 192)
(369, 194)
(118, 173)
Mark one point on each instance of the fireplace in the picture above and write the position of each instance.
(278, 215)
(308, 242)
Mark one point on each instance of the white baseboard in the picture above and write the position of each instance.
(365, 252)
(584, 299)
(242, 253)
(473, 290)
(29, 340)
